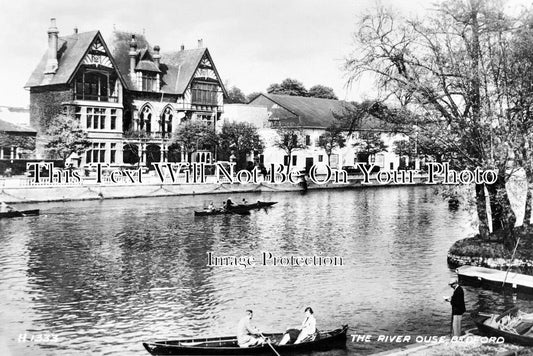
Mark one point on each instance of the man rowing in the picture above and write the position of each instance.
(246, 333)
(4, 208)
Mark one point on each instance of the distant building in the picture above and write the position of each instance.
(128, 95)
(313, 116)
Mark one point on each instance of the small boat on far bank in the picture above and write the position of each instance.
(513, 325)
(227, 345)
(19, 213)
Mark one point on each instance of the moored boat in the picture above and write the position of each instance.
(19, 213)
(227, 345)
(513, 325)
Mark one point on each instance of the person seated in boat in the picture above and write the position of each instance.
(229, 203)
(246, 333)
(211, 206)
(306, 332)
(244, 201)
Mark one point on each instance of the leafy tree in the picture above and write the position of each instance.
(333, 138)
(453, 66)
(288, 87)
(321, 91)
(290, 139)
(193, 136)
(368, 144)
(235, 96)
(21, 141)
(239, 138)
(65, 136)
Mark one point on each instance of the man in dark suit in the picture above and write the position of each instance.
(457, 300)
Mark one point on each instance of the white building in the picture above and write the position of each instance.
(312, 116)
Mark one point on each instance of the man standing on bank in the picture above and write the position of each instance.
(457, 300)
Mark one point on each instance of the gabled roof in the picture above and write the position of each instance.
(71, 51)
(147, 66)
(311, 112)
(177, 68)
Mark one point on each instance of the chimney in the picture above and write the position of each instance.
(200, 43)
(51, 62)
(132, 54)
(157, 56)
(182, 47)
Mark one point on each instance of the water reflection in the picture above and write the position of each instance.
(106, 275)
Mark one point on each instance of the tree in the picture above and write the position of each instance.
(193, 136)
(289, 139)
(65, 136)
(331, 139)
(235, 96)
(239, 139)
(451, 66)
(21, 141)
(288, 87)
(321, 91)
(368, 144)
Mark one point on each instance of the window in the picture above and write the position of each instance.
(92, 86)
(205, 94)
(320, 158)
(96, 154)
(294, 160)
(78, 114)
(113, 119)
(206, 119)
(113, 156)
(149, 82)
(286, 160)
(307, 140)
(166, 121)
(145, 118)
(89, 118)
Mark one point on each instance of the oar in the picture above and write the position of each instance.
(269, 344)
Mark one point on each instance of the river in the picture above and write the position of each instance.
(100, 277)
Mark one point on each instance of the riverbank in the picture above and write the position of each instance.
(475, 251)
(13, 192)
(475, 348)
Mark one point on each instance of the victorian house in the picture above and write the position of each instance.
(128, 96)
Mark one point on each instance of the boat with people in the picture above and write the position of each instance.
(227, 345)
(513, 325)
(232, 208)
(19, 213)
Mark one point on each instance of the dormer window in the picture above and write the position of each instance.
(148, 75)
(149, 81)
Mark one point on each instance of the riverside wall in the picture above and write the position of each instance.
(15, 193)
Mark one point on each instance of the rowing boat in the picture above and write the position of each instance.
(513, 325)
(19, 213)
(227, 345)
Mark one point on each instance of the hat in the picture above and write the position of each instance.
(453, 281)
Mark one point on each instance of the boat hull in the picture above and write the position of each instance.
(492, 331)
(228, 345)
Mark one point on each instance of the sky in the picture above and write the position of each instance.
(254, 43)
